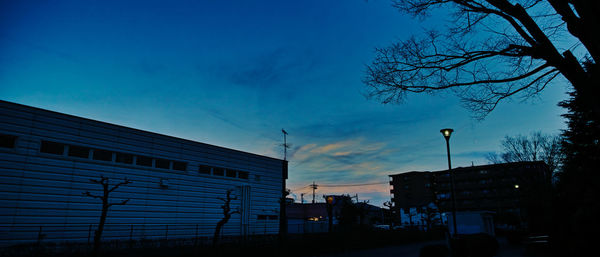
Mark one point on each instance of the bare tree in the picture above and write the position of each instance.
(105, 204)
(536, 147)
(390, 206)
(492, 51)
(432, 215)
(227, 212)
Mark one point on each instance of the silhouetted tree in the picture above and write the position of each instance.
(500, 49)
(493, 50)
(432, 215)
(227, 212)
(106, 189)
(349, 213)
(536, 147)
(390, 206)
(578, 186)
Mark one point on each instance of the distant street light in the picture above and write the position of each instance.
(447, 132)
(330, 199)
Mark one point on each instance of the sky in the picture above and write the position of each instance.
(234, 73)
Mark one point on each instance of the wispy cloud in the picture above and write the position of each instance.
(348, 158)
(271, 68)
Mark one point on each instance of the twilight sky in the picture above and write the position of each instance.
(234, 73)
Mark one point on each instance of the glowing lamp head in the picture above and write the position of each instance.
(447, 132)
(516, 186)
(329, 199)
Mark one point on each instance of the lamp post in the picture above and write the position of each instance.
(330, 200)
(447, 132)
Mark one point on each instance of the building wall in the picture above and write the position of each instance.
(493, 187)
(42, 193)
(479, 188)
(412, 189)
(411, 194)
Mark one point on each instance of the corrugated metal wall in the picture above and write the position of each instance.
(44, 192)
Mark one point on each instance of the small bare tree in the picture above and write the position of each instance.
(105, 204)
(536, 147)
(227, 212)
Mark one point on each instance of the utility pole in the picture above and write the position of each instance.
(314, 187)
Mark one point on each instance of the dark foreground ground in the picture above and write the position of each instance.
(413, 250)
(350, 244)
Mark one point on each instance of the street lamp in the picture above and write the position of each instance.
(330, 200)
(447, 132)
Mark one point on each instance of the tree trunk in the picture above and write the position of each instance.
(98, 234)
(217, 234)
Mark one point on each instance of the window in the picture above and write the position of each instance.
(7, 141)
(79, 151)
(243, 174)
(102, 155)
(230, 173)
(52, 147)
(124, 158)
(267, 217)
(162, 163)
(204, 169)
(218, 171)
(182, 166)
(144, 161)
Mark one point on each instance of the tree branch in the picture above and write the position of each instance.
(120, 203)
(125, 182)
(87, 193)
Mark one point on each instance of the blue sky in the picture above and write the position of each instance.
(233, 73)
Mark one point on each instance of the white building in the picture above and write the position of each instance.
(47, 160)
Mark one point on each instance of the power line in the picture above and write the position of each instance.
(343, 185)
(299, 188)
(355, 185)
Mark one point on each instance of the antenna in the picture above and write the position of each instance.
(285, 145)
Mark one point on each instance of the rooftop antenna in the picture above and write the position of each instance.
(314, 187)
(285, 145)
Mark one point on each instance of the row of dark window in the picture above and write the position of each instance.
(218, 171)
(140, 160)
(7, 141)
(268, 217)
(109, 156)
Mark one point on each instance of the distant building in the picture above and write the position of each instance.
(518, 193)
(47, 160)
(307, 218)
(313, 217)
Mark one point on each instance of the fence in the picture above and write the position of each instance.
(84, 234)
(308, 227)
